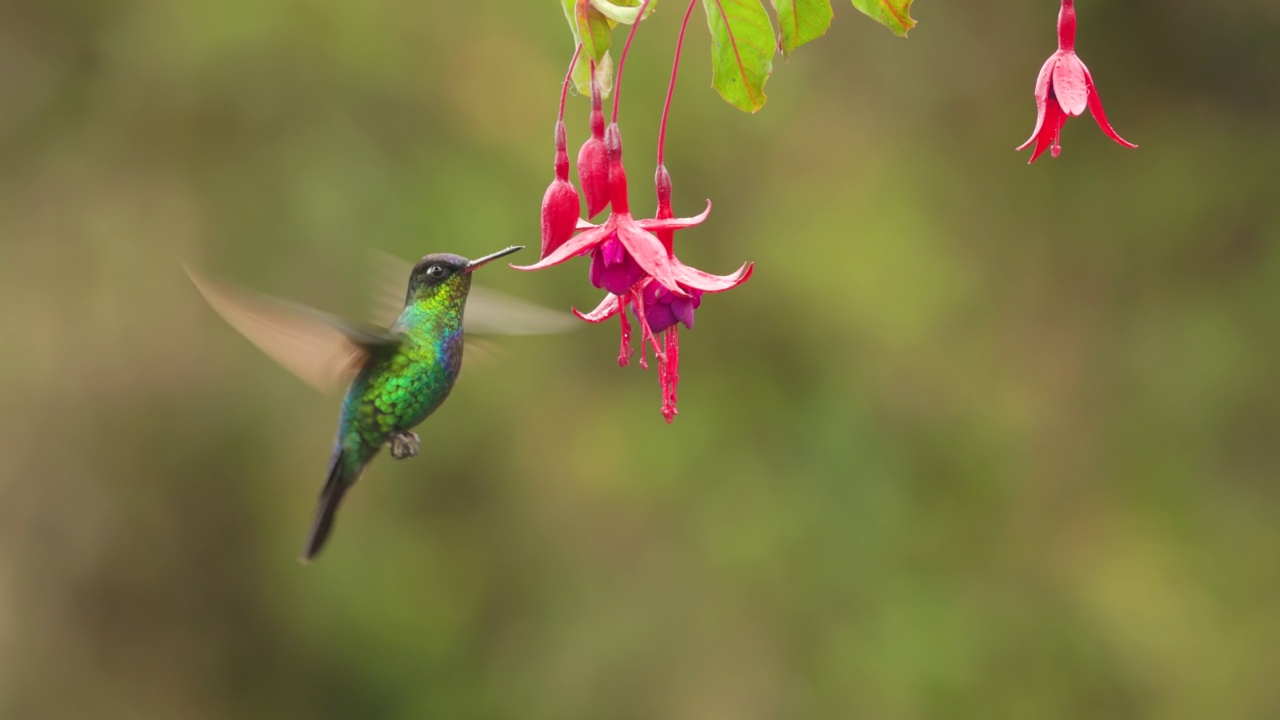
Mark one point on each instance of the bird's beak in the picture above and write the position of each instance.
(491, 257)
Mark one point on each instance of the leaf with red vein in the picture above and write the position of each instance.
(590, 27)
(742, 45)
(800, 21)
(893, 14)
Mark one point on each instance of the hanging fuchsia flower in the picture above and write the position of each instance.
(634, 261)
(658, 307)
(621, 244)
(1064, 89)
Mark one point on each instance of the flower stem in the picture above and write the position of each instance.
(622, 60)
(568, 78)
(671, 86)
(1067, 26)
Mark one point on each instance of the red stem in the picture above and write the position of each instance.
(1067, 26)
(671, 86)
(568, 78)
(617, 83)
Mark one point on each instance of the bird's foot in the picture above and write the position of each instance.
(404, 445)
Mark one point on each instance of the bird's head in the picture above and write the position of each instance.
(443, 276)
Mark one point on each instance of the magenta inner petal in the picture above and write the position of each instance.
(683, 309)
(612, 267)
(663, 309)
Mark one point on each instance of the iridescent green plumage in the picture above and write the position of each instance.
(402, 380)
(402, 373)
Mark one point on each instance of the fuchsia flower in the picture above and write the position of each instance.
(635, 238)
(634, 260)
(1064, 89)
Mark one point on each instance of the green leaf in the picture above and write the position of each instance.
(625, 12)
(742, 45)
(568, 7)
(893, 14)
(800, 21)
(590, 28)
(604, 75)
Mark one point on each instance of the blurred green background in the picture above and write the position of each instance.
(978, 440)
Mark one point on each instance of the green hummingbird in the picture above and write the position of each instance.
(402, 373)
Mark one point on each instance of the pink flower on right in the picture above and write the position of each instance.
(1064, 89)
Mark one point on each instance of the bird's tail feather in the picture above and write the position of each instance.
(341, 477)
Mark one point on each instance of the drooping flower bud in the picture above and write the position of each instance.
(593, 166)
(560, 202)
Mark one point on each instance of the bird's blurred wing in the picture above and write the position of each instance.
(482, 352)
(489, 312)
(388, 285)
(320, 349)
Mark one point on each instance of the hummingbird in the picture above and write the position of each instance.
(402, 373)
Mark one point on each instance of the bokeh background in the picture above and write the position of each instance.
(978, 440)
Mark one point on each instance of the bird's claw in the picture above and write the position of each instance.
(404, 445)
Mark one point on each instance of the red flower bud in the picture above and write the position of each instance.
(560, 203)
(593, 173)
(559, 215)
(593, 166)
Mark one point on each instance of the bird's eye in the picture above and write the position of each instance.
(437, 271)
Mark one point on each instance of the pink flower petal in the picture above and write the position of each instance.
(1046, 75)
(1035, 132)
(1054, 118)
(605, 310)
(1042, 96)
(648, 252)
(693, 278)
(652, 224)
(682, 309)
(1069, 84)
(1095, 109)
(585, 225)
(572, 247)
